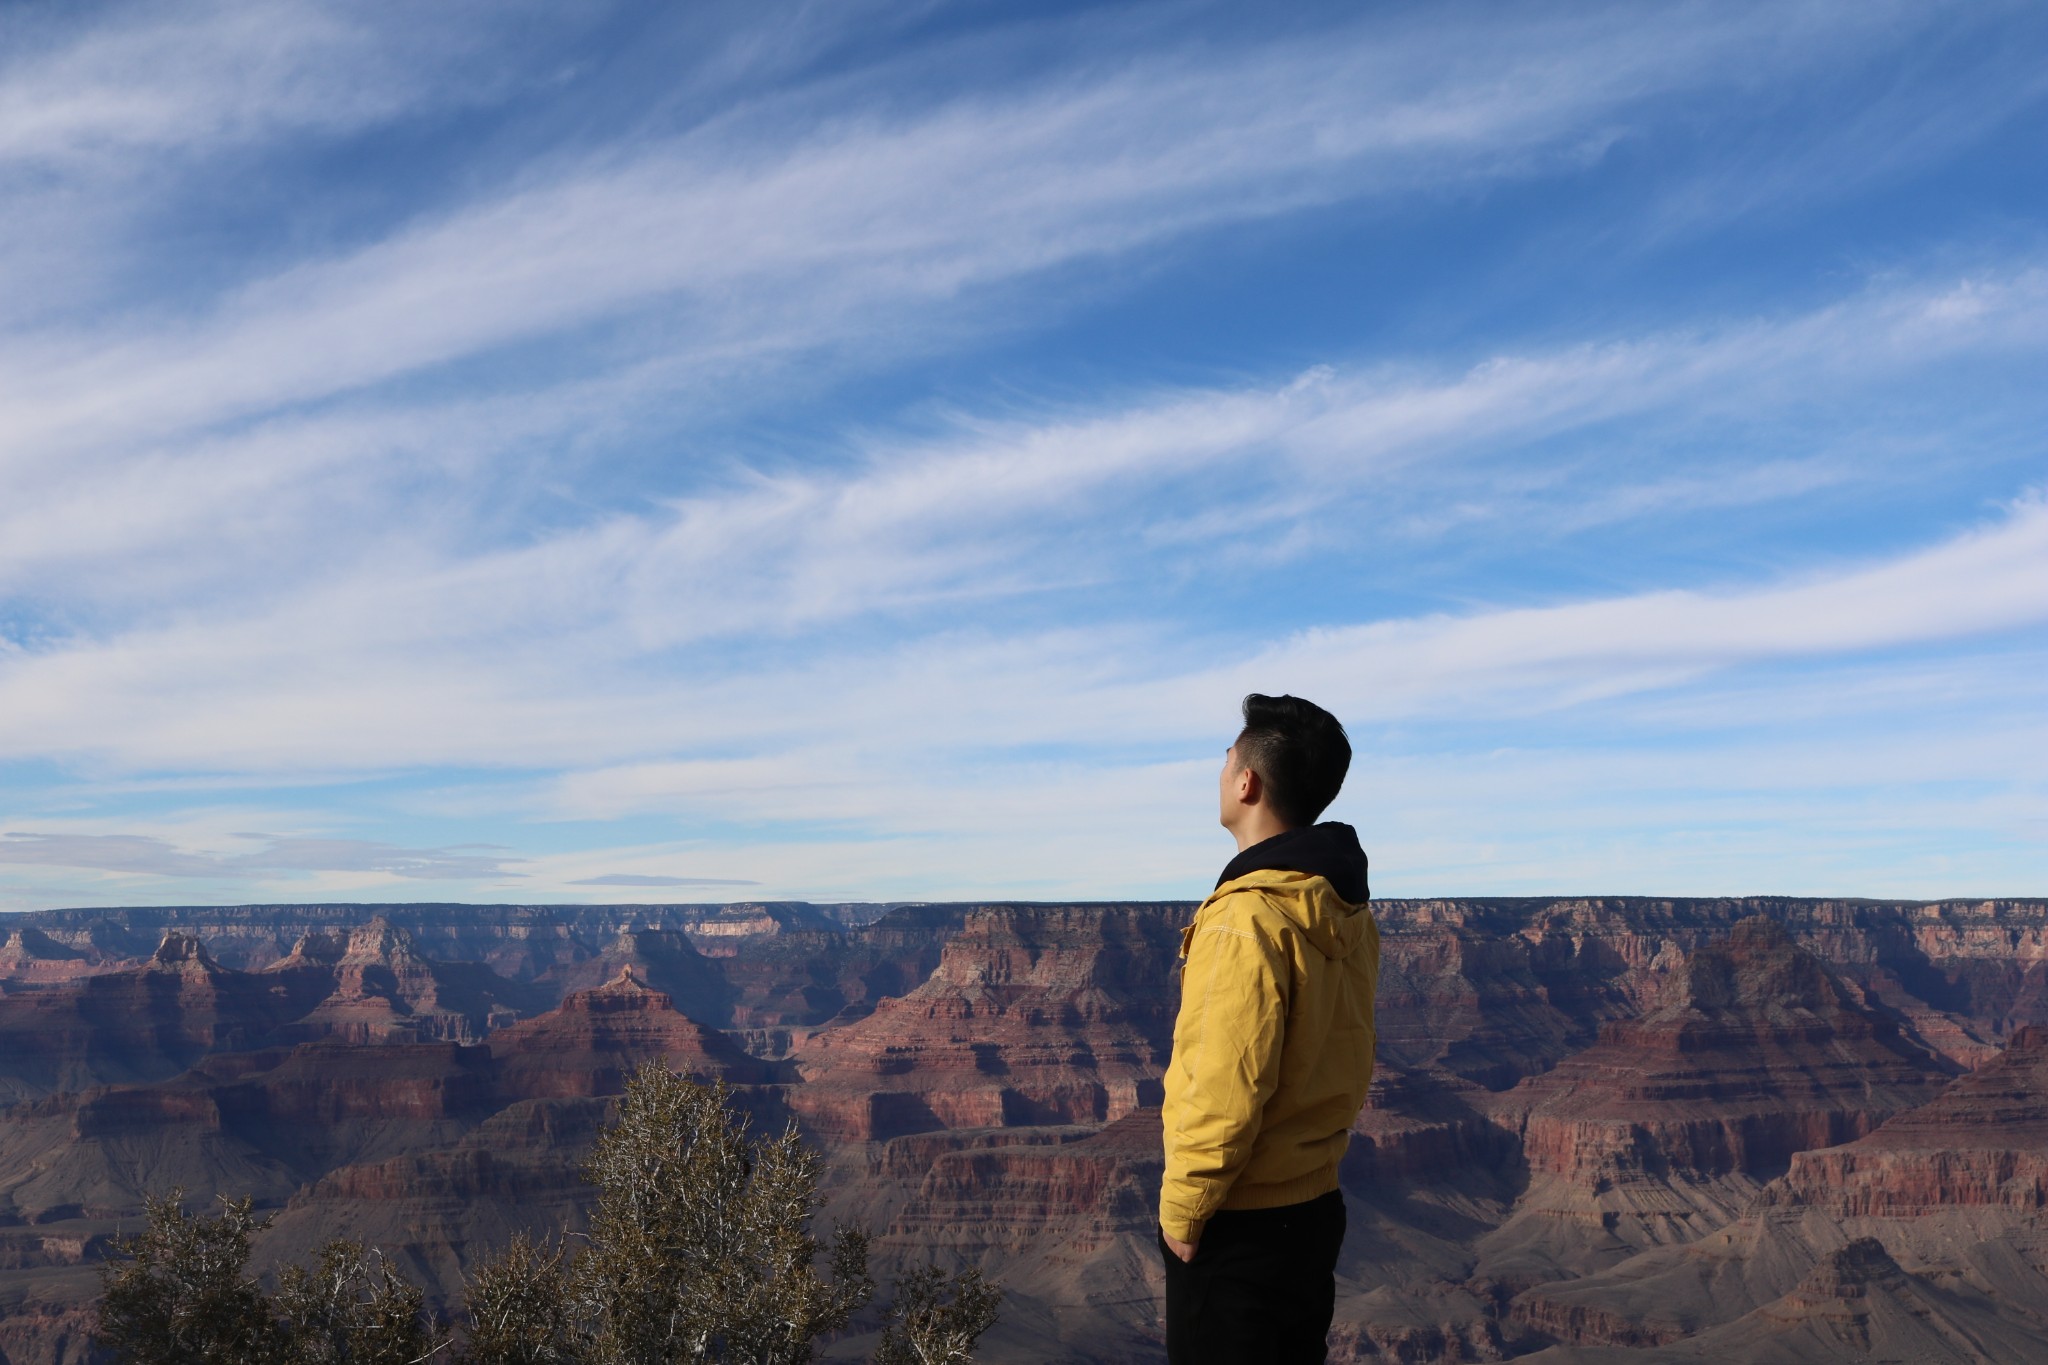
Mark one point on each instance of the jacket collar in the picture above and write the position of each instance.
(1329, 850)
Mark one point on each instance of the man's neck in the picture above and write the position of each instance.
(1254, 830)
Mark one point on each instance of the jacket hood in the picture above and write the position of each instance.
(1329, 850)
(1317, 875)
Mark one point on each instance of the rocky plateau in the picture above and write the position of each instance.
(1606, 1130)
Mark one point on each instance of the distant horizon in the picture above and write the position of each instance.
(867, 453)
(1075, 901)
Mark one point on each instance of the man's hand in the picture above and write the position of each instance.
(1184, 1250)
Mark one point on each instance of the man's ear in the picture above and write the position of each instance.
(1250, 790)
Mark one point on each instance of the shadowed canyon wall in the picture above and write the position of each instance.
(1601, 1129)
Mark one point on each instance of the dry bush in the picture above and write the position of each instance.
(699, 1253)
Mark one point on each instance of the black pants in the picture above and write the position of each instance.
(1260, 1289)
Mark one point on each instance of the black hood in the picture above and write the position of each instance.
(1329, 850)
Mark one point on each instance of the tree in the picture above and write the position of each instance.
(181, 1297)
(700, 1247)
(925, 1328)
(699, 1253)
(350, 1308)
(518, 1308)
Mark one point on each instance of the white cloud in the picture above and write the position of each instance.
(644, 879)
(554, 652)
(768, 231)
(1450, 671)
(110, 111)
(189, 77)
(147, 855)
(295, 523)
(1988, 580)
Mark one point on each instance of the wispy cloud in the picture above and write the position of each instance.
(202, 78)
(443, 407)
(149, 856)
(1501, 665)
(641, 879)
(769, 231)
(1993, 579)
(539, 654)
(109, 113)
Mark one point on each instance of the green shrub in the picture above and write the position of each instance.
(518, 1309)
(180, 1297)
(699, 1253)
(936, 1320)
(700, 1246)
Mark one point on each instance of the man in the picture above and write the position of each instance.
(1272, 1054)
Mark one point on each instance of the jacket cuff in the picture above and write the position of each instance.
(1181, 1228)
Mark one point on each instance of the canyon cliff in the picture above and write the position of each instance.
(1601, 1128)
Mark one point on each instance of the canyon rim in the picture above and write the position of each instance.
(1603, 1129)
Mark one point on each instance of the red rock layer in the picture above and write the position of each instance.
(292, 1115)
(1462, 992)
(138, 1024)
(1757, 1052)
(1982, 1142)
(1083, 1189)
(31, 959)
(1418, 1127)
(769, 972)
(1033, 1016)
(666, 960)
(598, 1038)
(379, 988)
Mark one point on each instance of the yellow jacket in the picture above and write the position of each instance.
(1273, 1049)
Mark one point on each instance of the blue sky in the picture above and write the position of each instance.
(562, 452)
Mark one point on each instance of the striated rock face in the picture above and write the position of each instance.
(594, 1042)
(806, 975)
(1957, 1184)
(30, 958)
(666, 960)
(1081, 1188)
(1419, 1127)
(1754, 1052)
(1058, 1215)
(380, 989)
(149, 1022)
(435, 1150)
(138, 1023)
(1858, 1304)
(1668, 1127)
(784, 965)
(1598, 1125)
(1462, 991)
(1982, 1142)
(1033, 1016)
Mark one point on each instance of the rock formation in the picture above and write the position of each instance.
(1855, 1304)
(595, 1039)
(1668, 1126)
(379, 988)
(1601, 1129)
(1033, 1016)
(1982, 1143)
(137, 1023)
(1953, 1188)
(30, 958)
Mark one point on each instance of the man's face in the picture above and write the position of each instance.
(1227, 805)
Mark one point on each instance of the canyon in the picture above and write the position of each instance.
(1601, 1129)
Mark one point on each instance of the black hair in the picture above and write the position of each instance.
(1299, 751)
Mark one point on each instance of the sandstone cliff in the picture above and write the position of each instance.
(1033, 1016)
(1952, 1189)
(1625, 1126)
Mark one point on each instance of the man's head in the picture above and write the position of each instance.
(1285, 767)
